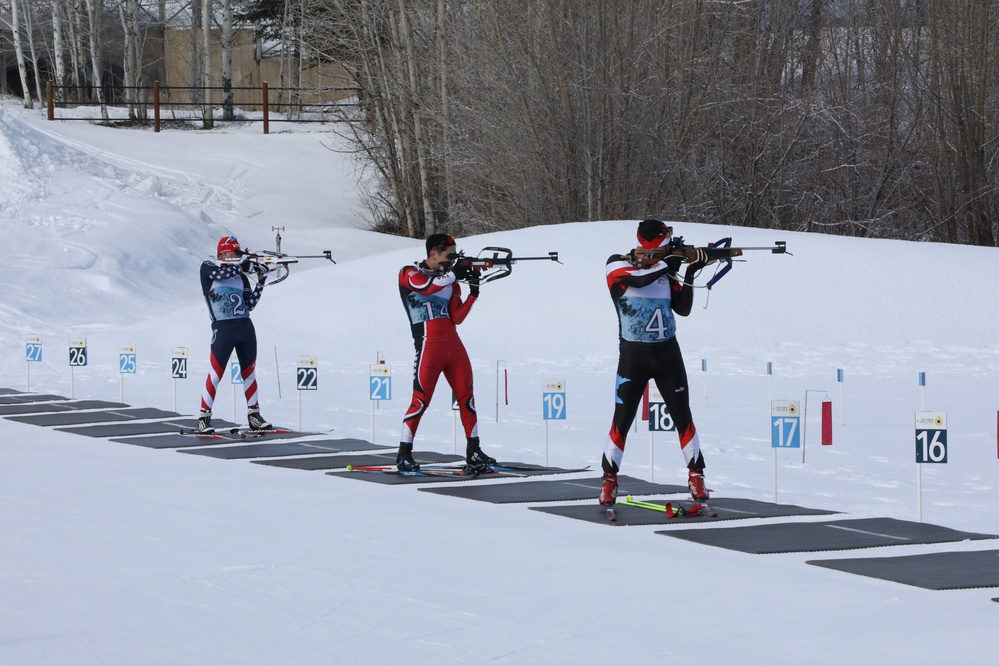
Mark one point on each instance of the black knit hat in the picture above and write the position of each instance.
(438, 241)
(654, 233)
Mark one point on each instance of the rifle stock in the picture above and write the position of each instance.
(275, 261)
(718, 251)
(494, 263)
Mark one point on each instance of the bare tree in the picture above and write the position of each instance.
(22, 68)
(58, 49)
(227, 37)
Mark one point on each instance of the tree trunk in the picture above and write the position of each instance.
(57, 51)
(227, 100)
(413, 111)
(28, 24)
(206, 71)
(95, 15)
(22, 68)
(129, 25)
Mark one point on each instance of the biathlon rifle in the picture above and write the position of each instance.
(276, 260)
(492, 263)
(720, 250)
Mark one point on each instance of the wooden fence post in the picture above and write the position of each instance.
(267, 127)
(50, 100)
(156, 106)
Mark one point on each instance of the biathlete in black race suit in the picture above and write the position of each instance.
(646, 294)
(230, 299)
(431, 295)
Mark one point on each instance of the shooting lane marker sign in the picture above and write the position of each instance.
(32, 354)
(659, 420)
(380, 388)
(178, 369)
(126, 365)
(553, 405)
(931, 447)
(306, 379)
(785, 431)
(77, 359)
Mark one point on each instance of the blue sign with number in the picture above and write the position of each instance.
(33, 352)
(785, 420)
(381, 387)
(235, 376)
(126, 363)
(553, 401)
(178, 367)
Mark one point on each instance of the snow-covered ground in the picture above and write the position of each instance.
(113, 554)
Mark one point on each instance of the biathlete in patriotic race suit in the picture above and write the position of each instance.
(646, 295)
(230, 299)
(431, 295)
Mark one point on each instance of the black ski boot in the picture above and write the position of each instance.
(205, 423)
(477, 462)
(404, 459)
(256, 421)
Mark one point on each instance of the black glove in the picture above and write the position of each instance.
(461, 270)
(260, 269)
(246, 265)
(699, 262)
(473, 283)
(673, 263)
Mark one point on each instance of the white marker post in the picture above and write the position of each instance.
(126, 366)
(785, 432)
(704, 370)
(379, 388)
(178, 369)
(659, 420)
(306, 379)
(77, 359)
(552, 405)
(235, 378)
(770, 374)
(922, 391)
(32, 354)
(840, 379)
(931, 447)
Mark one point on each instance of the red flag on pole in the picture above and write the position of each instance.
(827, 423)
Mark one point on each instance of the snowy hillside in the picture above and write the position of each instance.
(113, 554)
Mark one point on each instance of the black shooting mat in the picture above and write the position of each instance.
(18, 398)
(832, 535)
(552, 490)
(934, 571)
(341, 461)
(39, 407)
(285, 448)
(173, 439)
(75, 417)
(727, 508)
(394, 479)
(126, 429)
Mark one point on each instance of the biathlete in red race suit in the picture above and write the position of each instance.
(646, 295)
(431, 295)
(229, 298)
